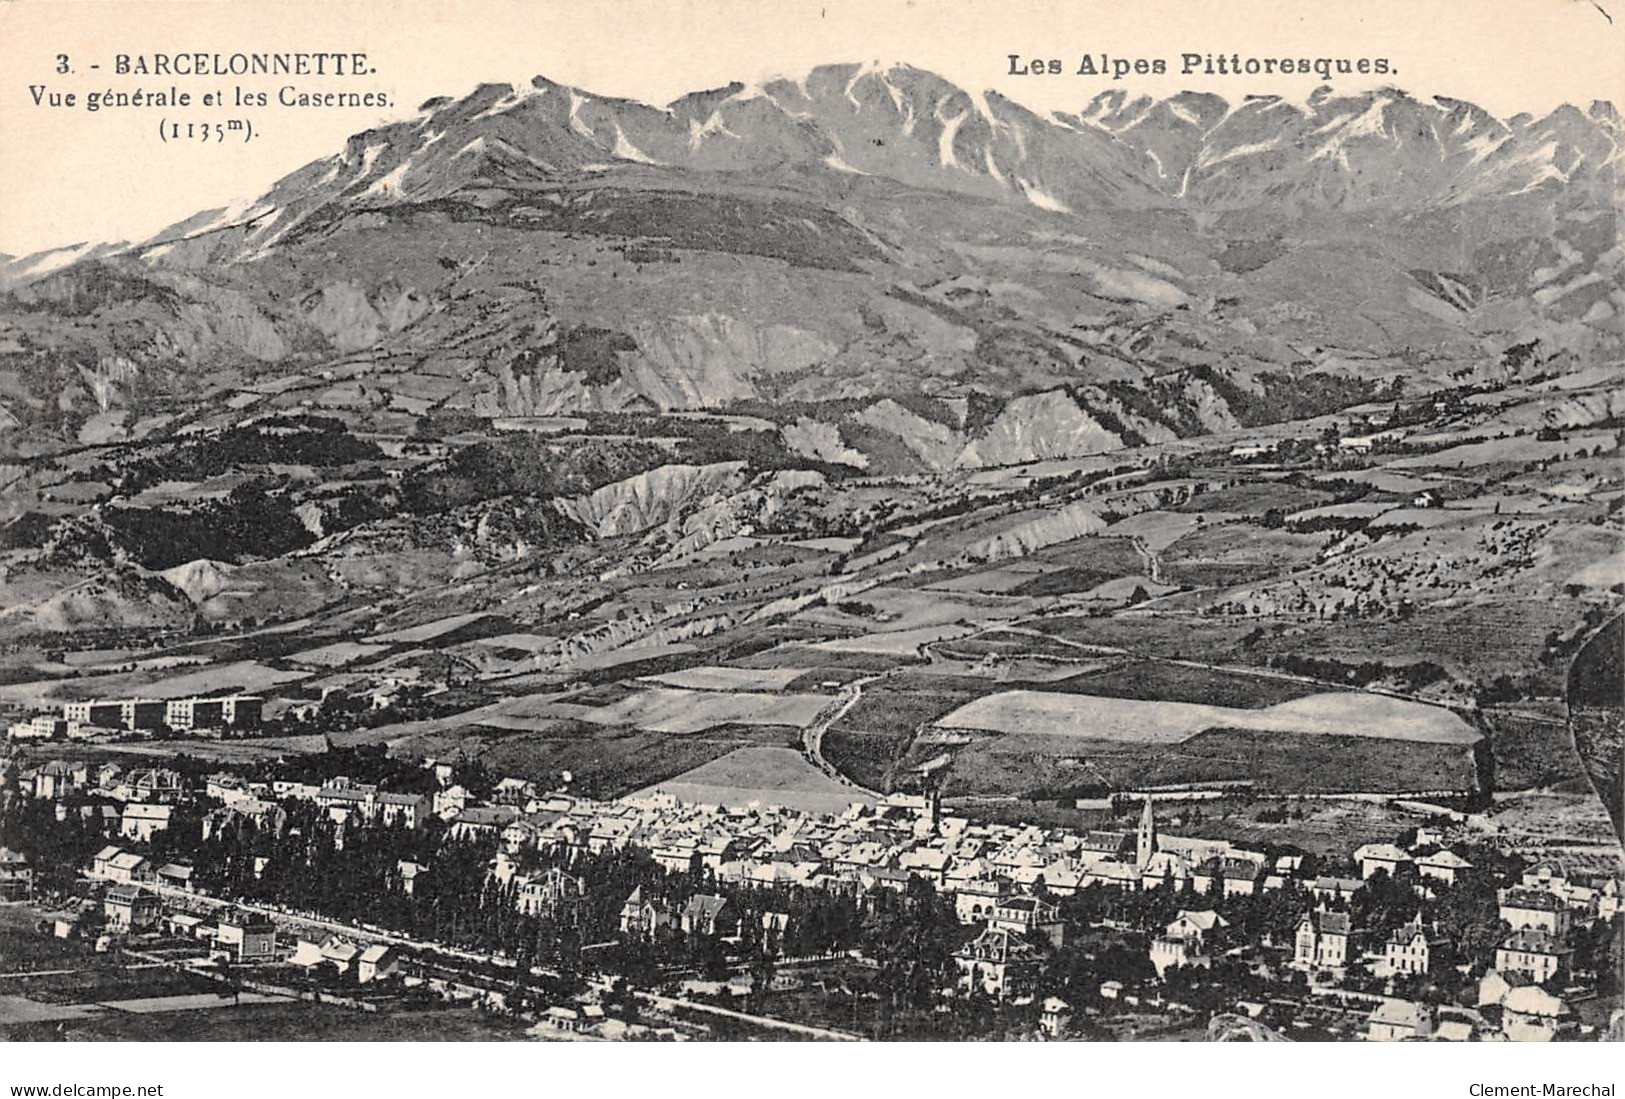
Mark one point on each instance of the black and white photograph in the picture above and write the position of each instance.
(695, 523)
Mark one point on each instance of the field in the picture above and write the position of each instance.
(678, 711)
(1012, 644)
(1136, 721)
(897, 643)
(1044, 767)
(1161, 680)
(337, 654)
(1219, 556)
(1523, 448)
(429, 631)
(904, 701)
(800, 655)
(1538, 819)
(244, 676)
(604, 762)
(1157, 529)
(778, 776)
(1174, 636)
(1532, 751)
(1253, 498)
(715, 678)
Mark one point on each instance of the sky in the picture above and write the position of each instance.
(70, 175)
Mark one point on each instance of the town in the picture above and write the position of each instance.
(398, 889)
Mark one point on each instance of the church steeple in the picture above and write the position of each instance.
(1145, 840)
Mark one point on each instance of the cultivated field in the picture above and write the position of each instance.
(775, 776)
(674, 710)
(1137, 721)
(246, 676)
(717, 678)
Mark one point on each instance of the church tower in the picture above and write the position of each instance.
(1145, 840)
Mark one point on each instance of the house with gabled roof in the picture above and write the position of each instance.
(1322, 940)
(642, 917)
(1533, 953)
(998, 963)
(118, 865)
(1332, 888)
(1185, 940)
(708, 914)
(1531, 1014)
(1408, 949)
(1380, 856)
(375, 963)
(1443, 865)
(1400, 1021)
(142, 820)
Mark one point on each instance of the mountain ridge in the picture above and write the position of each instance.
(1192, 149)
(1157, 267)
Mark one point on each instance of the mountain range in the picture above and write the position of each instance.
(1050, 284)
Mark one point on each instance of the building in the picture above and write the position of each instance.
(115, 864)
(40, 727)
(1056, 1018)
(141, 821)
(642, 918)
(1380, 856)
(485, 823)
(246, 938)
(550, 893)
(1116, 846)
(175, 875)
(340, 954)
(1445, 866)
(57, 779)
(1533, 909)
(1532, 953)
(1184, 941)
(976, 898)
(450, 801)
(130, 908)
(1326, 888)
(129, 714)
(408, 873)
(227, 788)
(1145, 836)
(16, 876)
(708, 914)
(1399, 1021)
(1408, 949)
(375, 963)
(999, 964)
(404, 810)
(1231, 876)
(1531, 1014)
(1029, 916)
(566, 1020)
(265, 816)
(1589, 895)
(1322, 940)
(228, 712)
(158, 784)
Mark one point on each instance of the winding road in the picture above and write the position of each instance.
(812, 737)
